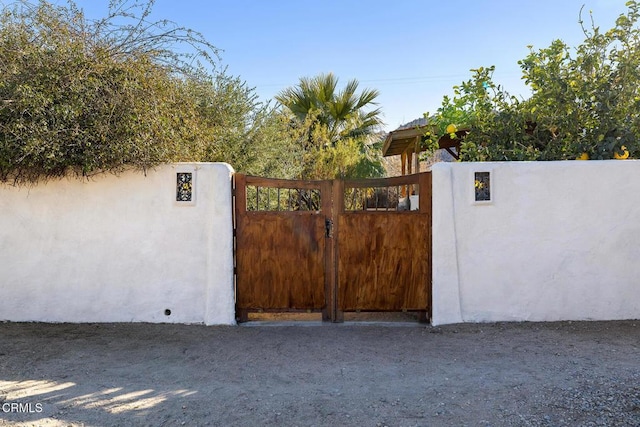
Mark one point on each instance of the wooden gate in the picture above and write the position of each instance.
(383, 252)
(333, 246)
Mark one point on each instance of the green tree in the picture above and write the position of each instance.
(337, 131)
(92, 96)
(85, 97)
(584, 102)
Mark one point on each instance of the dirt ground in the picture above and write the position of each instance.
(309, 374)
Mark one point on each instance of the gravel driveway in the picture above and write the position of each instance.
(521, 374)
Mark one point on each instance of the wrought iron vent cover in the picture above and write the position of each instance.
(184, 187)
(482, 186)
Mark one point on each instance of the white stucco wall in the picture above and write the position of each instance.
(119, 249)
(558, 241)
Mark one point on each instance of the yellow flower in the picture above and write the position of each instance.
(583, 156)
(452, 128)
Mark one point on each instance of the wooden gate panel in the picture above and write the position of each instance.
(281, 248)
(382, 262)
(281, 265)
(383, 256)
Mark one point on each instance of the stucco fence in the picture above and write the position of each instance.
(119, 248)
(556, 241)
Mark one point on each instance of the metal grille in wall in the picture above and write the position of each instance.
(184, 186)
(482, 186)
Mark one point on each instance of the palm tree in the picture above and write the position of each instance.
(342, 112)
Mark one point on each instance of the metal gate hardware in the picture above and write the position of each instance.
(328, 227)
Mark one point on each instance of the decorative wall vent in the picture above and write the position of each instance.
(482, 186)
(184, 187)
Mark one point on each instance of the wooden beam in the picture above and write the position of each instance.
(403, 159)
(417, 149)
(417, 160)
(455, 156)
(336, 189)
(409, 170)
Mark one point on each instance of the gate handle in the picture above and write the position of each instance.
(328, 228)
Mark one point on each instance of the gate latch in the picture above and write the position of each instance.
(328, 227)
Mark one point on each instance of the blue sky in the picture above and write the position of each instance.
(412, 51)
